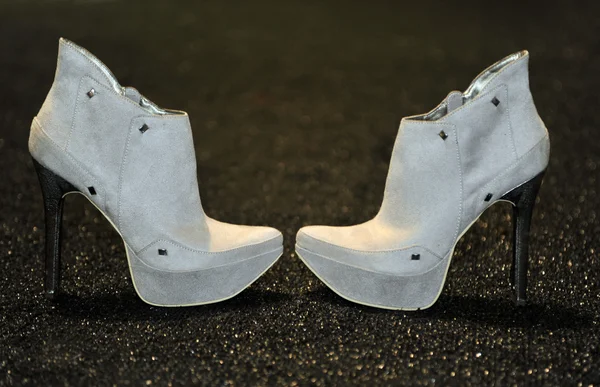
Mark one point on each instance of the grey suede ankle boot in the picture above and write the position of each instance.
(136, 163)
(448, 166)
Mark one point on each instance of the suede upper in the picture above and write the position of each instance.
(440, 174)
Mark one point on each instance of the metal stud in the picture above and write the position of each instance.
(92, 190)
(91, 93)
(162, 252)
(488, 197)
(144, 128)
(443, 135)
(495, 101)
(415, 257)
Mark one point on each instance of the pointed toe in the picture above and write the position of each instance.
(198, 287)
(269, 236)
(307, 237)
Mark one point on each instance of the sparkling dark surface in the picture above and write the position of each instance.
(295, 106)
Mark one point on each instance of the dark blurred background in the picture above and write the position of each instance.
(294, 107)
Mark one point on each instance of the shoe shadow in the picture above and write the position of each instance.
(495, 312)
(128, 306)
(504, 313)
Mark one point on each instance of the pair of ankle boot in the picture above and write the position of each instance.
(136, 163)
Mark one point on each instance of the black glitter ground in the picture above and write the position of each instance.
(295, 106)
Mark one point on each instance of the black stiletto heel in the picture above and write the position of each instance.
(523, 200)
(54, 189)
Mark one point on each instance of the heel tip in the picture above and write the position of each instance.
(51, 294)
(520, 302)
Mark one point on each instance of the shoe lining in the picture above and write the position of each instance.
(474, 88)
(144, 102)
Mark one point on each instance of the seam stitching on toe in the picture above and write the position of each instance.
(368, 251)
(369, 270)
(202, 251)
(208, 268)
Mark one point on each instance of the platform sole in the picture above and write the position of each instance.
(378, 289)
(200, 287)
